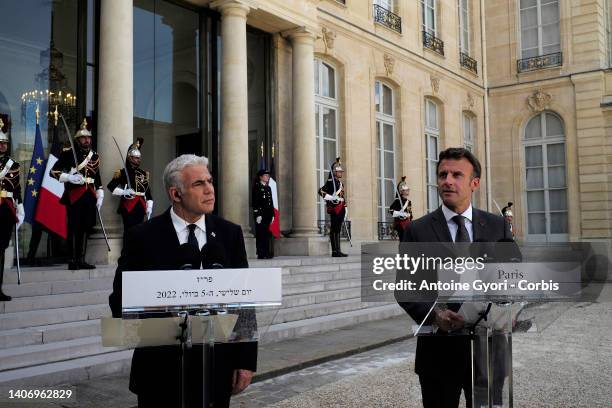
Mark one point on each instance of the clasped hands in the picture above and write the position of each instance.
(448, 320)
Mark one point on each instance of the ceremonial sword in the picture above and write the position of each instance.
(127, 176)
(76, 165)
(17, 256)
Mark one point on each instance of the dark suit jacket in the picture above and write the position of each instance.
(154, 245)
(442, 355)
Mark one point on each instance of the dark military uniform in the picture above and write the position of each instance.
(10, 197)
(80, 200)
(132, 210)
(399, 224)
(261, 199)
(336, 211)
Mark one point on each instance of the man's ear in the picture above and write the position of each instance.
(475, 183)
(175, 194)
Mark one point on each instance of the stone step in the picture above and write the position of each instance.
(300, 328)
(33, 318)
(304, 299)
(25, 356)
(312, 277)
(290, 314)
(70, 371)
(49, 333)
(321, 287)
(110, 361)
(57, 273)
(294, 270)
(58, 287)
(45, 302)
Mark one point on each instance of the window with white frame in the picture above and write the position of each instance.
(468, 131)
(540, 32)
(432, 136)
(429, 16)
(545, 178)
(464, 26)
(469, 142)
(389, 5)
(326, 124)
(385, 147)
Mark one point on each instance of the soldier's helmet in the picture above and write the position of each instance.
(3, 136)
(402, 186)
(337, 166)
(83, 131)
(508, 211)
(134, 149)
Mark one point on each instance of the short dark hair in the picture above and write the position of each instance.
(457, 153)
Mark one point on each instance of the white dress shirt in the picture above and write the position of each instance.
(452, 225)
(182, 232)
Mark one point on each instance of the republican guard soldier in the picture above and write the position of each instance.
(133, 188)
(12, 213)
(263, 212)
(333, 193)
(509, 216)
(83, 192)
(401, 208)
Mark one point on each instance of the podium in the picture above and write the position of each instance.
(191, 327)
(508, 296)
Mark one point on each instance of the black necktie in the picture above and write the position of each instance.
(462, 232)
(191, 239)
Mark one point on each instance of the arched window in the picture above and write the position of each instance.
(385, 147)
(326, 123)
(545, 178)
(432, 142)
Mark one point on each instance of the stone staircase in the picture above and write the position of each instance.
(50, 331)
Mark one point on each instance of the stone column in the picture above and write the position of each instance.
(304, 155)
(234, 149)
(115, 114)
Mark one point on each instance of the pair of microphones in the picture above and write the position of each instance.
(211, 256)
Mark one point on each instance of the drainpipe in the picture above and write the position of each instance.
(483, 46)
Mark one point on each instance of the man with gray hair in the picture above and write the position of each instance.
(157, 245)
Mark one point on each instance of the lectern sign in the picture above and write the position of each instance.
(200, 287)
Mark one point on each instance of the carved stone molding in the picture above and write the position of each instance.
(435, 84)
(539, 101)
(389, 64)
(471, 102)
(328, 39)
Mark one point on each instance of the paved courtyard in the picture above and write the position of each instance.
(567, 365)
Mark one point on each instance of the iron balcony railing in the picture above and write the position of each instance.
(386, 232)
(433, 43)
(324, 226)
(540, 62)
(468, 62)
(387, 18)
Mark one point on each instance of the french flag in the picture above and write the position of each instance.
(50, 213)
(275, 225)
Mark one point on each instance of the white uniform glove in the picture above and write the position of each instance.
(20, 215)
(99, 198)
(328, 197)
(118, 191)
(398, 214)
(149, 208)
(129, 193)
(75, 178)
(258, 219)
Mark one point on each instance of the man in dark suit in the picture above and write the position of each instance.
(443, 361)
(154, 245)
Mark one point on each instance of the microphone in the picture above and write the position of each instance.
(189, 257)
(213, 256)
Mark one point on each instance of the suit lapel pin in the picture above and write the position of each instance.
(212, 234)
